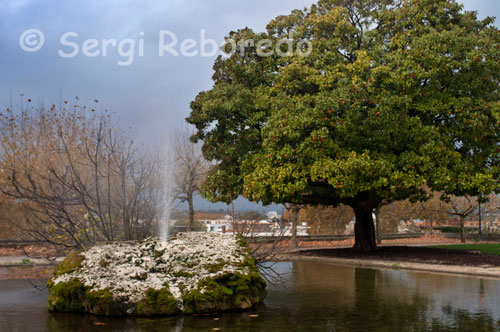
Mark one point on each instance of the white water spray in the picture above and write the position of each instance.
(168, 180)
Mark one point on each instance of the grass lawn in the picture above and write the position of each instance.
(487, 248)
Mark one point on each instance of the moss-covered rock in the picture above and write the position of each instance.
(226, 292)
(194, 273)
(71, 263)
(157, 302)
(100, 302)
(67, 296)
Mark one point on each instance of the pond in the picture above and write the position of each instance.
(314, 297)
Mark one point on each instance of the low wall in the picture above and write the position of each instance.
(311, 238)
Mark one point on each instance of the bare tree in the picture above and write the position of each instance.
(80, 177)
(263, 240)
(463, 207)
(190, 169)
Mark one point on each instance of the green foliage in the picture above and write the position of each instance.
(393, 99)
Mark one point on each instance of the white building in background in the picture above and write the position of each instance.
(218, 228)
(302, 230)
(267, 227)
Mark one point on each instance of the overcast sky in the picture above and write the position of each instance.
(151, 94)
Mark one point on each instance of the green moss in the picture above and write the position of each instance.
(226, 292)
(100, 303)
(214, 268)
(156, 303)
(181, 286)
(70, 264)
(250, 262)
(74, 296)
(67, 296)
(183, 274)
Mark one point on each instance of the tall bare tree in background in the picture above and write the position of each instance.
(190, 169)
(439, 208)
(80, 177)
(463, 207)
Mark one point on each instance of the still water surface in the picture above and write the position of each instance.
(315, 297)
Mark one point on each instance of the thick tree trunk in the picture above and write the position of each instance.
(191, 213)
(462, 230)
(364, 228)
(294, 217)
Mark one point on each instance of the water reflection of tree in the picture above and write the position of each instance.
(464, 320)
(374, 311)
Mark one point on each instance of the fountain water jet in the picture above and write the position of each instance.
(168, 179)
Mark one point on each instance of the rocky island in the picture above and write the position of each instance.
(191, 273)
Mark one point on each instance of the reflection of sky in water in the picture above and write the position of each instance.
(473, 294)
(313, 297)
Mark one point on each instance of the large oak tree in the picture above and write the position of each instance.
(397, 96)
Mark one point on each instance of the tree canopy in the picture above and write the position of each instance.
(396, 97)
